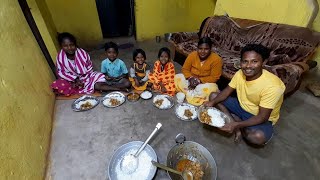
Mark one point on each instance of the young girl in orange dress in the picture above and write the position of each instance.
(162, 77)
(139, 71)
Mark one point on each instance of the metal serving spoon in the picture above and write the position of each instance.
(186, 175)
(130, 163)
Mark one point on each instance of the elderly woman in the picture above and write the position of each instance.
(200, 72)
(74, 70)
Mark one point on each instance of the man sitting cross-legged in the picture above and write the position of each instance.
(259, 98)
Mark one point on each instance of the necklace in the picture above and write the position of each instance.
(143, 66)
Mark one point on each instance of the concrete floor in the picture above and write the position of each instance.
(83, 142)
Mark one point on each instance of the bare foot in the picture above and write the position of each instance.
(237, 136)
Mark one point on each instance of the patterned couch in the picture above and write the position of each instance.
(290, 46)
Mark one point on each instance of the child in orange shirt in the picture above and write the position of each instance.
(162, 77)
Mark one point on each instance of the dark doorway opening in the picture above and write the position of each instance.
(116, 17)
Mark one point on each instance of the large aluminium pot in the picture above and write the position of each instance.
(194, 152)
(121, 151)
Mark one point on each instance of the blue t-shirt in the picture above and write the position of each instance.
(115, 68)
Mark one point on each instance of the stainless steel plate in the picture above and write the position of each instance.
(164, 96)
(189, 106)
(121, 151)
(84, 98)
(222, 115)
(116, 95)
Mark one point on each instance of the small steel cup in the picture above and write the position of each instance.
(158, 39)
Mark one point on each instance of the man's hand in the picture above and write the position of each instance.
(193, 82)
(230, 127)
(209, 103)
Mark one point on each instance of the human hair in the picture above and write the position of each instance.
(66, 35)
(258, 48)
(111, 44)
(164, 49)
(138, 51)
(205, 40)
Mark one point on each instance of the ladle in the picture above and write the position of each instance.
(131, 162)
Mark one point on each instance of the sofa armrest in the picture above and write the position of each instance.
(179, 37)
(290, 74)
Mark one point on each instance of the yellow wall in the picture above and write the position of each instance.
(44, 22)
(79, 17)
(316, 27)
(316, 22)
(26, 100)
(293, 12)
(154, 17)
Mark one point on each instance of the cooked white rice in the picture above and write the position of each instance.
(142, 171)
(107, 102)
(181, 109)
(165, 104)
(91, 101)
(146, 95)
(216, 119)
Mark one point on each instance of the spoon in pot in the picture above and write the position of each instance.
(186, 175)
(130, 162)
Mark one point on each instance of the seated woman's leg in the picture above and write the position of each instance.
(201, 93)
(181, 83)
(63, 87)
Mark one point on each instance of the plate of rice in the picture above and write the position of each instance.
(113, 99)
(163, 101)
(84, 103)
(186, 112)
(212, 116)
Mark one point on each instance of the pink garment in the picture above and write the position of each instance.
(81, 68)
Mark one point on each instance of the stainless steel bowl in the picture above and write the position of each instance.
(194, 152)
(121, 151)
(133, 100)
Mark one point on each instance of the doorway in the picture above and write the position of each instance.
(116, 17)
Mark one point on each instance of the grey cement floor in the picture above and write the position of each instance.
(83, 142)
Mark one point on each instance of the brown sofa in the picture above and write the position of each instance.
(291, 46)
